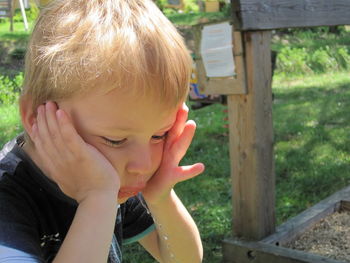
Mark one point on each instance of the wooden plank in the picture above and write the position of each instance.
(224, 86)
(237, 251)
(5, 7)
(345, 205)
(296, 226)
(7, 10)
(251, 144)
(273, 14)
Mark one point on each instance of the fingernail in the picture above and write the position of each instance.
(185, 107)
(49, 104)
(58, 113)
(39, 110)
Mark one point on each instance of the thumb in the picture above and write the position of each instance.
(190, 171)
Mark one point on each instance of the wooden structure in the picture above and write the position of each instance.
(175, 4)
(6, 10)
(251, 129)
(270, 248)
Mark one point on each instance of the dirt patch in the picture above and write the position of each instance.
(330, 237)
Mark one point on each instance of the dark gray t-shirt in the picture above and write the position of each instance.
(35, 214)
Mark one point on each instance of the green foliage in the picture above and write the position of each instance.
(306, 51)
(9, 117)
(161, 3)
(9, 89)
(342, 56)
(292, 60)
(322, 61)
(31, 14)
(191, 6)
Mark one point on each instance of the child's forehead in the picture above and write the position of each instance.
(115, 125)
(130, 97)
(120, 110)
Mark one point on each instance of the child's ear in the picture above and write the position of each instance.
(28, 115)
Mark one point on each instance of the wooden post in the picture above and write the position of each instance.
(251, 144)
(12, 12)
(273, 14)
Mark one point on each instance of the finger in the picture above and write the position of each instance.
(183, 142)
(69, 134)
(179, 124)
(190, 171)
(43, 139)
(52, 124)
(41, 122)
(47, 163)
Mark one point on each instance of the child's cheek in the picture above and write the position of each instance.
(158, 153)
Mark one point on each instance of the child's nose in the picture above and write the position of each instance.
(140, 161)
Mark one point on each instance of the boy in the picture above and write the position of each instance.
(105, 130)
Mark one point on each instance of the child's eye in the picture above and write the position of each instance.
(114, 143)
(160, 137)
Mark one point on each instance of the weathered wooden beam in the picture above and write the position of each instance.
(237, 251)
(273, 14)
(293, 228)
(251, 144)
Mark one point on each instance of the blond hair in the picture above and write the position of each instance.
(80, 45)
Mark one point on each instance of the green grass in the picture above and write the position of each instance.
(18, 34)
(312, 152)
(196, 18)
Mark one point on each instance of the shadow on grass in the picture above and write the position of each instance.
(312, 145)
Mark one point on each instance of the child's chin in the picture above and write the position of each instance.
(122, 200)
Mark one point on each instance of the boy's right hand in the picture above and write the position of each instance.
(78, 168)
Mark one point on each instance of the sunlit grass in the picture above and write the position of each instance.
(18, 33)
(312, 150)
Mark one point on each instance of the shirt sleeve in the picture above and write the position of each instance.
(137, 221)
(10, 255)
(19, 240)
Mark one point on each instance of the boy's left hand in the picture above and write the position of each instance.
(169, 172)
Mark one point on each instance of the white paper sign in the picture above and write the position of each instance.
(216, 50)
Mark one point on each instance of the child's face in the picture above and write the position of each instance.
(130, 132)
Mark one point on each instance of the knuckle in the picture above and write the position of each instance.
(54, 135)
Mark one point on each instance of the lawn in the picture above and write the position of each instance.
(312, 145)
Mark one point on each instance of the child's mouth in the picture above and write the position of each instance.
(129, 191)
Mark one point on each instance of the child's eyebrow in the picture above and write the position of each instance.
(128, 129)
(167, 127)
